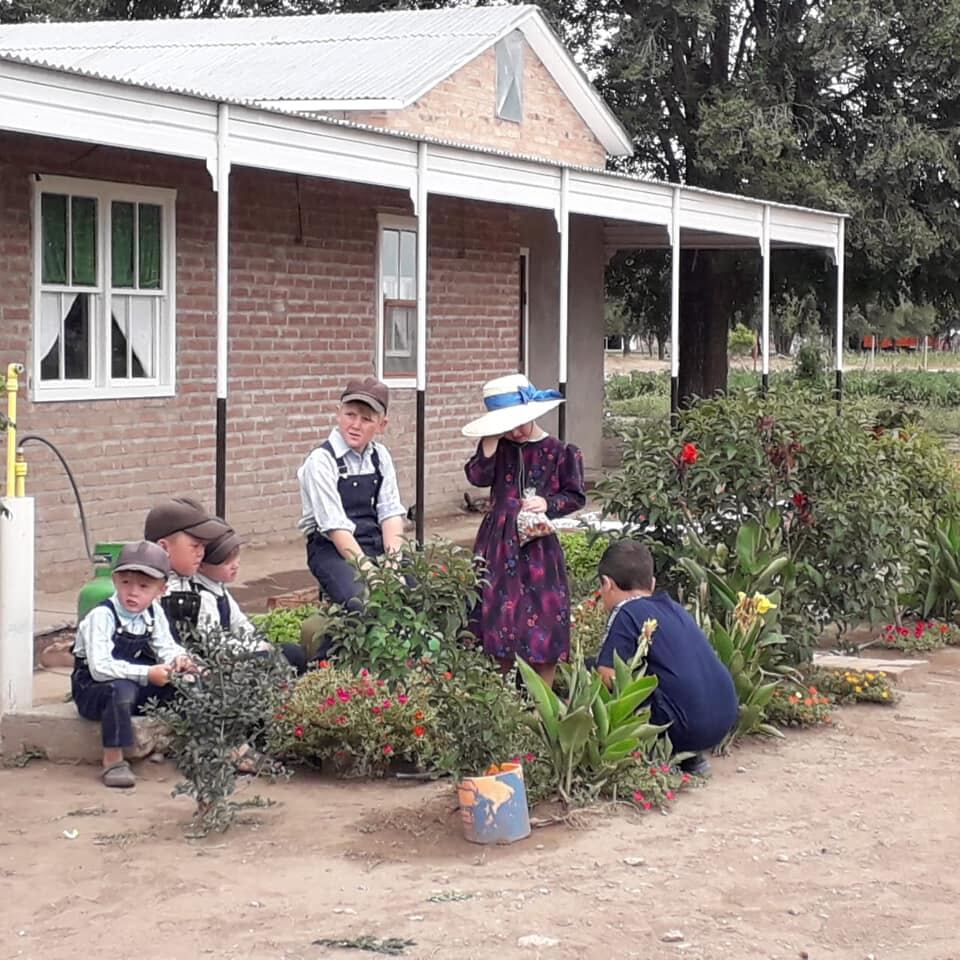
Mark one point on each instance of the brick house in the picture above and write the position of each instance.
(207, 226)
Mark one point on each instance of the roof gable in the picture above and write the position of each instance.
(329, 61)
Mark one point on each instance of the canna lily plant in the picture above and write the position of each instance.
(594, 731)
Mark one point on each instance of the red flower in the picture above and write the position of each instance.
(689, 454)
(344, 695)
(448, 675)
(387, 704)
(387, 749)
(298, 731)
(331, 702)
(418, 715)
(800, 500)
(419, 731)
(375, 711)
(638, 797)
(529, 757)
(670, 794)
(364, 672)
(323, 664)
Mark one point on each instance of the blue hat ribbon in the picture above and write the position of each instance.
(520, 396)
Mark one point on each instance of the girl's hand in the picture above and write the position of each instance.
(534, 505)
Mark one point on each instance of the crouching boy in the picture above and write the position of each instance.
(124, 655)
(695, 692)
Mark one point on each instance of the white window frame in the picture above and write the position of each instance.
(386, 221)
(101, 385)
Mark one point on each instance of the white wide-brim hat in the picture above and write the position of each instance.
(511, 401)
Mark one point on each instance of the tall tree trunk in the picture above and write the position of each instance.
(706, 300)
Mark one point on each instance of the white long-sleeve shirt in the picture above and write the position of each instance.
(95, 641)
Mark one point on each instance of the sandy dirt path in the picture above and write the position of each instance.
(835, 843)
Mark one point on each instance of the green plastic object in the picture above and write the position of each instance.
(101, 586)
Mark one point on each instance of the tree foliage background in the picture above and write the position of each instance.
(849, 105)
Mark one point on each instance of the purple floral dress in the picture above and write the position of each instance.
(525, 607)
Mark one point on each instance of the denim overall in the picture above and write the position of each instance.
(359, 496)
(182, 608)
(115, 702)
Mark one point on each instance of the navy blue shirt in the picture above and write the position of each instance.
(695, 692)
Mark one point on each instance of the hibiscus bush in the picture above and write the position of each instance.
(855, 501)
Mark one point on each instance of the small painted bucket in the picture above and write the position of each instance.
(494, 807)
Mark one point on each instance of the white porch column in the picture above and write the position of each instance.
(564, 227)
(765, 301)
(838, 390)
(675, 309)
(222, 186)
(420, 209)
(16, 607)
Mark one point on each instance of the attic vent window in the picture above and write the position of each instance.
(510, 77)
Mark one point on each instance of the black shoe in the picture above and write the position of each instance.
(697, 765)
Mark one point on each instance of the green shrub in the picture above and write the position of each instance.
(741, 340)
(637, 383)
(582, 552)
(282, 625)
(854, 501)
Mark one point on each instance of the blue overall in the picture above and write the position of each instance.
(115, 702)
(295, 654)
(359, 496)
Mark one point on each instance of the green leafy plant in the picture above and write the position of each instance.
(229, 704)
(283, 625)
(922, 637)
(582, 552)
(741, 340)
(749, 645)
(942, 595)
(592, 733)
(416, 605)
(588, 622)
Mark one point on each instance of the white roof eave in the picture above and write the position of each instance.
(47, 101)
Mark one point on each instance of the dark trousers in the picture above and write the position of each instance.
(337, 578)
(114, 703)
(296, 656)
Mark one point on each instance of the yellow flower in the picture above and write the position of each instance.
(886, 694)
(870, 676)
(858, 689)
(762, 604)
(648, 627)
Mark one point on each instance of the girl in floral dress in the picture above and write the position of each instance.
(524, 610)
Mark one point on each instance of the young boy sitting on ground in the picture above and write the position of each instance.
(220, 566)
(695, 692)
(182, 528)
(124, 654)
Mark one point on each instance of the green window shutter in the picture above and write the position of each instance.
(121, 243)
(151, 247)
(53, 234)
(84, 239)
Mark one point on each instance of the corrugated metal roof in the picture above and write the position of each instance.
(363, 56)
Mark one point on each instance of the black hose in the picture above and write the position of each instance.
(73, 483)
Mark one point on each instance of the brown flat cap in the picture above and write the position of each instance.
(369, 391)
(218, 549)
(181, 515)
(144, 557)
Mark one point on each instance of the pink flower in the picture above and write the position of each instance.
(375, 711)
(331, 702)
(343, 695)
(529, 757)
(638, 797)
(298, 731)
(364, 672)
(342, 720)
(670, 794)
(665, 767)
(387, 704)
(648, 806)
(685, 778)
(402, 699)
(387, 749)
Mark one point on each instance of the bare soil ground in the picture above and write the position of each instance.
(840, 842)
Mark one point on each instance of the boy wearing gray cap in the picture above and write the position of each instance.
(125, 654)
(348, 490)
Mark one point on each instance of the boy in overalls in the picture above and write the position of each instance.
(183, 528)
(124, 654)
(348, 490)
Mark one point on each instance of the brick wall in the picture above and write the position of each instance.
(303, 308)
(463, 108)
